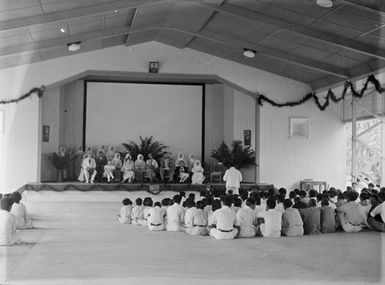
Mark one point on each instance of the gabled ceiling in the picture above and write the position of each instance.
(293, 38)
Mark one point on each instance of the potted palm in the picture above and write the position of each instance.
(146, 146)
(61, 162)
(239, 156)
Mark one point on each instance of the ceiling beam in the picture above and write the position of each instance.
(236, 11)
(77, 13)
(360, 4)
(222, 39)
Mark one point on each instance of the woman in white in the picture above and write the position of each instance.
(197, 170)
(128, 169)
(179, 158)
(191, 160)
(140, 167)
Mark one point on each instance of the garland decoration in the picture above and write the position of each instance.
(39, 91)
(329, 96)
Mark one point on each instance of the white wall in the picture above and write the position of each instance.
(21, 136)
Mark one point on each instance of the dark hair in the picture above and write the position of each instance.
(244, 195)
(147, 202)
(202, 193)
(216, 205)
(191, 196)
(209, 201)
(371, 185)
(292, 194)
(352, 195)
(16, 197)
(250, 202)
(230, 192)
(312, 203)
(157, 204)
(296, 191)
(238, 202)
(126, 202)
(381, 196)
(200, 205)
(182, 194)
(177, 199)
(280, 198)
(297, 199)
(165, 201)
(226, 200)
(313, 193)
(282, 191)
(364, 195)
(270, 203)
(302, 193)
(216, 193)
(320, 197)
(138, 201)
(324, 202)
(6, 204)
(287, 203)
(341, 196)
(190, 203)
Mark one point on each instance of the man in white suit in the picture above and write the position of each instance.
(233, 178)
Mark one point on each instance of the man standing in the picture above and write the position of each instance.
(233, 178)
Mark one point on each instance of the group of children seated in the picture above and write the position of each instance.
(266, 214)
(13, 217)
(111, 166)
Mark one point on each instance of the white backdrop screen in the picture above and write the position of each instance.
(119, 112)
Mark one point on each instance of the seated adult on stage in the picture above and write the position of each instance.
(181, 173)
(88, 171)
(197, 173)
(166, 169)
(224, 219)
(151, 167)
(140, 167)
(101, 161)
(117, 163)
(128, 169)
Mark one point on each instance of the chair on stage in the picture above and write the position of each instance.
(216, 172)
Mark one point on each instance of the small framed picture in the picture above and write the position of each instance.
(153, 67)
(46, 133)
(299, 128)
(247, 137)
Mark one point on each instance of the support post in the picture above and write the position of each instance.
(354, 140)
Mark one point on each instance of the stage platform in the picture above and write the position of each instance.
(149, 187)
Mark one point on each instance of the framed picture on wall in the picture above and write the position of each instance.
(247, 137)
(299, 128)
(46, 133)
(153, 67)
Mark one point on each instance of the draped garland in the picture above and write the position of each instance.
(329, 96)
(39, 91)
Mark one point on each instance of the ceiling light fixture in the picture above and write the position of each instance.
(62, 30)
(325, 3)
(74, 46)
(249, 53)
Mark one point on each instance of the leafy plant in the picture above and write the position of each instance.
(239, 156)
(146, 146)
(60, 161)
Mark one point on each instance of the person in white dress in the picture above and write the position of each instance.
(109, 171)
(125, 212)
(128, 169)
(197, 170)
(8, 234)
(233, 178)
(140, 167)
(20, 212)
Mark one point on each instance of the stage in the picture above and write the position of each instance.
(149, 187)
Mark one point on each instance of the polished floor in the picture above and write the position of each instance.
(77, 240)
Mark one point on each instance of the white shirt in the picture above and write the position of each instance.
(273, 223)
(246, 217)
(125, 212)
(188, 215)
(199, 218)
(7, 228)
(20, 212)
(279, 207)
(224, 218)
(233, 178)
(175, 213)
(137, 213)
(156, 215)
(380, 209)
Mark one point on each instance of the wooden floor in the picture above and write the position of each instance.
(77, 240)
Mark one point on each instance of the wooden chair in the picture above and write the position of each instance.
(216, 172)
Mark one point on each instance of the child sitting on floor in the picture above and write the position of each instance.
(292, 224)
(8, 235)
(377, 215)
(272, 220)
(199, 220)
(328, 217)
(311, 218)
(350, 215)
(190, 204)
(175, 215)
(20, 212)
(156, 217)
(125, 212)
(137, 212)
(247, 219)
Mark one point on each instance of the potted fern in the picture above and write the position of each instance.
(60, 161)
(146, 146)
(239, 156)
